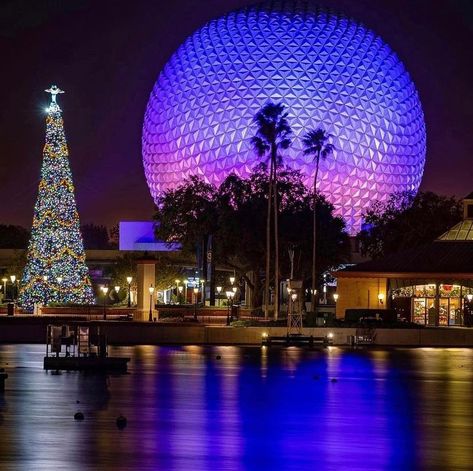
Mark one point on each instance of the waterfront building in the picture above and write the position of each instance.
(428, 285)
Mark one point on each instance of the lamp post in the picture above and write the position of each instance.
(45, 279)
(151, 291)
(58, 281)
(230, 295)
(196, 292)
(117, 289)
(232, 280)
(335, 297)
(4, 279)
(234, 289)
(177, 289)
(219, 290)
(13, 279)
(129, 279)
(104, 291)
(179, 296)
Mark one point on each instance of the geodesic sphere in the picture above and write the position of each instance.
(329, 71)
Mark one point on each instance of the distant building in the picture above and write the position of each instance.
(428, 285)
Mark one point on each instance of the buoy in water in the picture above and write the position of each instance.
(78, 416)
(121, 422)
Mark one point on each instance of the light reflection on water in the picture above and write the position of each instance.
(254, 408)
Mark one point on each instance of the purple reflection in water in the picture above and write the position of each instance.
(252, 409)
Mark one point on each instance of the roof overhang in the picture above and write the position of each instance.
(405, 275)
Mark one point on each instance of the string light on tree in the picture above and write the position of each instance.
(55, 270)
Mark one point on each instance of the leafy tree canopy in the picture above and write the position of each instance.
(235, 213)
(407, 220)
(96, 237)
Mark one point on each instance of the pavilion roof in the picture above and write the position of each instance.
(439, 257)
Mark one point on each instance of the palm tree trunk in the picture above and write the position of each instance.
(268, 245)
(314, 235)
(276, 244)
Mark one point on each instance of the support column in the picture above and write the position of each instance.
(145, 277)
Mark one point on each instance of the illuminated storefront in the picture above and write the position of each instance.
(433, 303)
(430, 285)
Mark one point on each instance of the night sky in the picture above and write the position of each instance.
(107, 55)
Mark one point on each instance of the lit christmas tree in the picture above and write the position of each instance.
(55, 271)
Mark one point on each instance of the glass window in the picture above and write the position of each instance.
(425, 290)
(419, 311)
(448, 291)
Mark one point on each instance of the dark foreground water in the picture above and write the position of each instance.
(254, 409)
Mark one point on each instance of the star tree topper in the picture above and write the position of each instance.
(54, 90)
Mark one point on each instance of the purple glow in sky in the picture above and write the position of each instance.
(329, 71)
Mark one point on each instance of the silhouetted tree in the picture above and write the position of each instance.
(316, 144)
(95, 237)
(235, 216)
(273, 135)
(407, 220)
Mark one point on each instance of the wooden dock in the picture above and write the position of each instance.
(89, 363)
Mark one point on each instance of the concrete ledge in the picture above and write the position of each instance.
(33, 330)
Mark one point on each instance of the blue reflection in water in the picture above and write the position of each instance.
(254, 408)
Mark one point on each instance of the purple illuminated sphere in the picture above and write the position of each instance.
(329, 71)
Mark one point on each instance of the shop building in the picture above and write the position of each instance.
(429, 285)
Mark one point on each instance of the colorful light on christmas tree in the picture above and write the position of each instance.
(55, 271)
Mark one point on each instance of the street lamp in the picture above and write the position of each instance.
(178, 292)
(5, 279)
(196, 292)
(129, 279)
(469, 297)
(151, 291)
(179, 296)
(13, 279)
(335, 297)
(381, 298)
(232, 280)
(45, 279)
(59, 281)
(104, 291)
(230, 295)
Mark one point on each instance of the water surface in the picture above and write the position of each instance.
(252, 409)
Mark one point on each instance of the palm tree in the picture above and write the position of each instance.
(273, 134)
(316, 143)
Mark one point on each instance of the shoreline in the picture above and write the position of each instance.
(17, 329)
